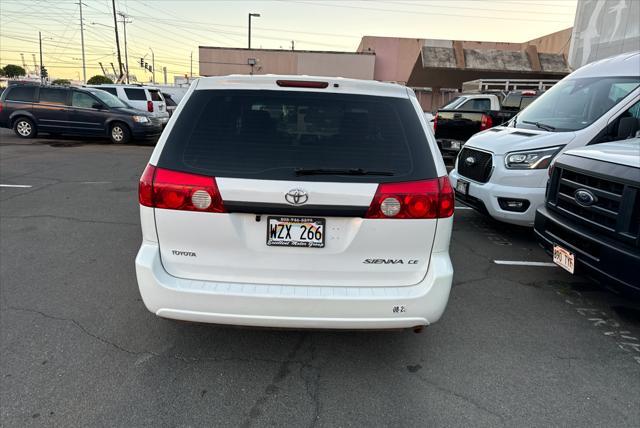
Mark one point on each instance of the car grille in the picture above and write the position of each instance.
(607, 213)
(478, 170)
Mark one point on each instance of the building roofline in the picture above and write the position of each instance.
(285, 50)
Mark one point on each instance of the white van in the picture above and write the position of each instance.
(296, 201)
(503, 171)
(146, 98)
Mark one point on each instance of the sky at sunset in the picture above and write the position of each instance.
(174, 29)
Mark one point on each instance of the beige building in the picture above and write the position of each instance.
(215, 61)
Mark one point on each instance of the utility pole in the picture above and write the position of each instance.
(191, 73)
(164, 71)
(126, 54)
(41, 64)
(293, 45)
(153, 67)
(256, 15)
(115, 25)
(84, 66)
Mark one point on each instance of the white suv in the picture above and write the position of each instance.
(302, 202)
(146, 98)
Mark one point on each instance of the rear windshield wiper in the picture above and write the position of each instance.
(336, 171)
(540, 125)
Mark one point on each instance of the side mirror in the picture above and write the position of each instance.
(98, 106)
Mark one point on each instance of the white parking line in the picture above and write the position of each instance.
(523, 263)
(464, 208)
(95, 182)
(15, 185)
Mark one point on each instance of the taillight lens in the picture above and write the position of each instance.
(435, 123)
(413, 200)
(486, 122)
(150, 106)
(173, 190)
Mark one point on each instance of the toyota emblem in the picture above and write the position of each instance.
(470, 161)
(296, 196)
(585, 197)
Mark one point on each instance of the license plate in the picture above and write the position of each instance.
(295, 232)
(563, 258)
(462, 187)
(455, 145)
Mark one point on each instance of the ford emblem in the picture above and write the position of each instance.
(296, 196)
(470, 161)
(585, 197)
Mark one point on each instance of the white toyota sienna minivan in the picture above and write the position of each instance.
(296, 201)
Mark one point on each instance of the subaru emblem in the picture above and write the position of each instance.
(470, 161)
(585, 197)
(296, 196)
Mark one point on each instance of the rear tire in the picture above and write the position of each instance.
(24, 128)
(119, 133)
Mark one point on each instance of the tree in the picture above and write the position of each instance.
(11, 70)
(61, 82)
(99, 80)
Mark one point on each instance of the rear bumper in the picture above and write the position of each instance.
(293, 306)
(593, 252)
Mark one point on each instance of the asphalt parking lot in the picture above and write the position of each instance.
(518, 345)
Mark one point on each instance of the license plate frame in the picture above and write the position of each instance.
(462, 187)
(318, 222)
(564, 258)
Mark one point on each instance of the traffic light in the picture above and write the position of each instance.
(142, 62)
(43, 72)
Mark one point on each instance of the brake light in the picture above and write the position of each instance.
(173, 190)
(435, 123)
(150, 106)
(528, 93)
(413, 200)
(486, 122)
(301, 84)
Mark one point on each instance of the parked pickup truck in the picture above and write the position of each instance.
(459, 120)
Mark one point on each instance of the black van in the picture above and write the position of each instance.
(29, 109)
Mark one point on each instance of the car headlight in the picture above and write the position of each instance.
(531, 159)
(140, 119)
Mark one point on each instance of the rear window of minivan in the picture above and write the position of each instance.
(21, 93)
(135, 94)
(270, 134)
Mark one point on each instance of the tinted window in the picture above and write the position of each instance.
(80, 99)
(112, 91)
(21, 93)
(109, 100)
(574, 104)
(53, 96)
(169, 100)
(476, 104)
(135, 94)
(270, 134)
(453, 103)
(155, 95)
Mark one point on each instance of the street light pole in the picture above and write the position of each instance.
(84, 66)
(115, 25)
(256, 15)
(153, 67)
(126, 54)
(41, 65)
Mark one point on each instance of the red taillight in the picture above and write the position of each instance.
(435, 123)
(486, 122)
(301, 84)
(150, 106)
(413, 200)
(173, 190)
(1, 105)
